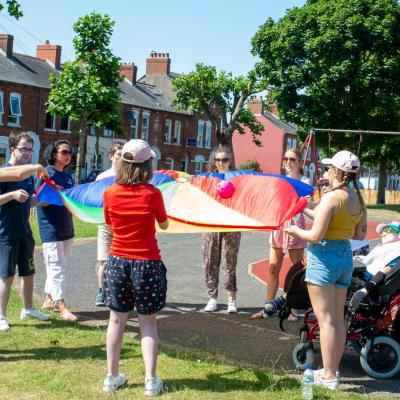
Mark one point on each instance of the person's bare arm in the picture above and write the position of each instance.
(361, 228)
(322, 217)
(21, 172)
(19, 195)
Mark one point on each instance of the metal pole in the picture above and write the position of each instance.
(360, 132)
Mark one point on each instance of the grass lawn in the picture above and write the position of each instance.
(82, 229)
(57, 360)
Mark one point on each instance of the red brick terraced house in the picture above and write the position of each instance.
(181, 140)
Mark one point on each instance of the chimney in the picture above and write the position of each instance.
(274, 109)
(158, 64)
(49, 52)
(6, 44)
(255, 105)
(129, 71)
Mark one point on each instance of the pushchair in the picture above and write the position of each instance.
(373, 329)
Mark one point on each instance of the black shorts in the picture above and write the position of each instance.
(130, 283)
(17, 252)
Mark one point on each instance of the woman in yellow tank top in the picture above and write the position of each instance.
(340, 216)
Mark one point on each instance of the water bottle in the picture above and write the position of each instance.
(308, 381)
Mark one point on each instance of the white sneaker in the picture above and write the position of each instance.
(4, 324)
(331, 384)
(153, 386)
(33, 313)
(211, 306)
(112, 383)
(232, 307)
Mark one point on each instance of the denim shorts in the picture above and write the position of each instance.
(130, 283)
(329, 263)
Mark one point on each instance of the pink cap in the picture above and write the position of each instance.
(344, 160)
(138, 149)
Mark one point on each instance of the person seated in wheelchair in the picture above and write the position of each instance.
(382, 262)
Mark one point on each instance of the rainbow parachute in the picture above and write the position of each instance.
(209, 202)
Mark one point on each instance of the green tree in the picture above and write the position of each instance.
(86, 90)
(336, 64)
(221, 98)
(13, 8)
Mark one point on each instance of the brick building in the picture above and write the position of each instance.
(181, 140)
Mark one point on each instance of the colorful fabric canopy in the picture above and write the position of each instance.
(209, 202)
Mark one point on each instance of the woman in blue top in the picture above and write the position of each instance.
(57, 231)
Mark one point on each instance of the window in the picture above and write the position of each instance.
(169, 163)
(291, 143)
(1, 107)
(15, 110)
(167, 131)
(145, 125)
(184, 163)
(199, 162)
(207, 142)
(108, 132)
(200, 133)
(134, 123)
(177, 133)
(50, 122)
(65, 124)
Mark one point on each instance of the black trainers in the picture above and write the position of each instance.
(101, 298)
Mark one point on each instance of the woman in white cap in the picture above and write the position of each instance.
(134, 276)
(340, 216)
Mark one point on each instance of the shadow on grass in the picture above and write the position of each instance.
(226, 382)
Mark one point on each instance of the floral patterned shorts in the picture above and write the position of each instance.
(131, 283)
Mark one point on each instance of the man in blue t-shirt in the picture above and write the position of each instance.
(16, 239)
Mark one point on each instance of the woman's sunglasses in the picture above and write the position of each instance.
(221, 160)
(65, 152)
(328, 167)
(285, 159)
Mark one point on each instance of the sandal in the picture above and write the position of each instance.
(67, 315)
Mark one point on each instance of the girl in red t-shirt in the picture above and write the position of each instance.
(135, 276)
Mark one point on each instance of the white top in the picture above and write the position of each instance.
(106, 174)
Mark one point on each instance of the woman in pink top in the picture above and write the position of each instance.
(281, 242)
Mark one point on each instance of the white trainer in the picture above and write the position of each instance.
(112, 383)
(211, 306)
(331, 384)
(33, 313)
(232, 307)
(4, 324)
(153, 386)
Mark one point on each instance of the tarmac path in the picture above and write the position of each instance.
(185, 327)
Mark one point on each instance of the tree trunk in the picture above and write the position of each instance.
(81, 155)
(97, 145)
(381, 183)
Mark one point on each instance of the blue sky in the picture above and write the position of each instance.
(216, 32)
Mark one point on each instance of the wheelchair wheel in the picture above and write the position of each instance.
(382, 360)
(303, 355)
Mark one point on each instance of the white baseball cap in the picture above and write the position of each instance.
(138, 149)
(344, 160)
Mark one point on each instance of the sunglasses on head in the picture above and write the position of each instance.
(222, 160)
(389, 230)
(289, 159)
(65, 152)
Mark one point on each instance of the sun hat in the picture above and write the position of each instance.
(138, 149)
(394, 225)
(344, 160)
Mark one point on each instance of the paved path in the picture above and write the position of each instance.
(233, 338)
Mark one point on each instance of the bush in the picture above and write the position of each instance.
(252, 165)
